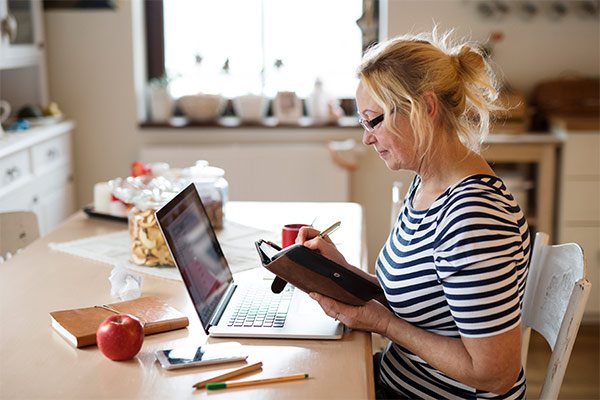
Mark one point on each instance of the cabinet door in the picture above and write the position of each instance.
(21, 37)
(579, 213)
(51, 196)
(54, 207)
(53, 199)
(580, 155)
(581, 202)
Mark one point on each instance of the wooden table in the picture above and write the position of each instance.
(37, 362)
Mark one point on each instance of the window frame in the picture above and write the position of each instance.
(155, 43)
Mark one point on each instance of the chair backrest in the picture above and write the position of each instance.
(553, 305)
(17, 230)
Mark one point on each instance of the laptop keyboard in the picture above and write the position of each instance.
(259, 307)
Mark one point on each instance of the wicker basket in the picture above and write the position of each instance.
(568, 97)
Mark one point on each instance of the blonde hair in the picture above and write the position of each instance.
(399, 71)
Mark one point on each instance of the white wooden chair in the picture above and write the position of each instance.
(17, 230)
(555, 298)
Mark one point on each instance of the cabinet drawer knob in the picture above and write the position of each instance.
(13, 173)
(51, 154)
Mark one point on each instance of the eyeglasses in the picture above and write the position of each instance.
(370, 125)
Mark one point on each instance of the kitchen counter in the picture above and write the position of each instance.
(14, 141)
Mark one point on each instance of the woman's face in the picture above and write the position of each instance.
(396, 149)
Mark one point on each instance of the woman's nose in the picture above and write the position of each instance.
(368, 138)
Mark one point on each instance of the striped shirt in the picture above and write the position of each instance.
(456, 269)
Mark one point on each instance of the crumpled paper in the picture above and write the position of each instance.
(125, 284)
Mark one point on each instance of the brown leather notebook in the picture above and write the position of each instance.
(311, 272)
(79, 325)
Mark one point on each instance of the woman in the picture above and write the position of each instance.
(454, 267)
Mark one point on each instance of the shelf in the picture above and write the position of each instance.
(236, 123)
(19, 61)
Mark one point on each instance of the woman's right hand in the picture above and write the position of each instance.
(309, 237)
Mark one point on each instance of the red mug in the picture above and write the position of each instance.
(289, 233)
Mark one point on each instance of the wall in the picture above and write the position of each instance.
(532, 50)
(91, 73)
(91, 77)
(264, 171)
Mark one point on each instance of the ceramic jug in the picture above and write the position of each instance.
(161, 104)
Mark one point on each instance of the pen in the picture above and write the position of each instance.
(224, 385)
(273, 245)
(330, 230)
(228, 375)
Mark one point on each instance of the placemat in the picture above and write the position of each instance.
(237, 242)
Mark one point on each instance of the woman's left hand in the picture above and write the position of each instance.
(371, 317)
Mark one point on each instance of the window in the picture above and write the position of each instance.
(312, 39)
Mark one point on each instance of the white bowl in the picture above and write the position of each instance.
(202, 107)
(251, 108)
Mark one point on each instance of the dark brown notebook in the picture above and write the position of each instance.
(79, 325)
(311, 272)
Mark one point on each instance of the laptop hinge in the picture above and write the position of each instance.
(218, 313)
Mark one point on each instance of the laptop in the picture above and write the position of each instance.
(222, 305)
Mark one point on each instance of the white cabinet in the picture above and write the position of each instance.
(36, 174)
(579, 204)
(35, 165)
(21, 41)
(22, 57)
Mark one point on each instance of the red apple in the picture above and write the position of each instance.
(120, 336)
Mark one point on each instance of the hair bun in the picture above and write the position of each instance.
(468, 61)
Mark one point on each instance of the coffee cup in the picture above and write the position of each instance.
(289, 232)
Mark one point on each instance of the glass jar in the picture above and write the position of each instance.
(213, 189)
(148, 245)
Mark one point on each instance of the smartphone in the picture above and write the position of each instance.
(192, 356)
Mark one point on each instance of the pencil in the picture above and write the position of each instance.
(330, 230)
(228, 375)
(224, 385)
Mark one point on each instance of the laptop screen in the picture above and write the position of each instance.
(195, 249)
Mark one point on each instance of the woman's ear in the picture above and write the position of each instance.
(431, 103)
